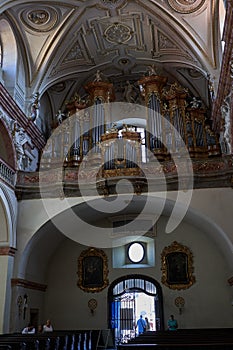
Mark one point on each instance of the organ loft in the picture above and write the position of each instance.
(152, 121)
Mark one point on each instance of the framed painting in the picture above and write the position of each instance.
(92, 270)
(177, 266)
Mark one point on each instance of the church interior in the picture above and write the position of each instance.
(116, 168)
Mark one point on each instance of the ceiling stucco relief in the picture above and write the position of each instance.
(186, 6)
(41, 19)
(118, 33)
(39, 39)
(111, 1)
(109, 36)
(79, 51)
(69, 41)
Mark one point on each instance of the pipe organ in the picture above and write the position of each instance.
(121, 152)
(172, 120)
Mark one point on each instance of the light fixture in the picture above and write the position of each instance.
(92, 304)
(179, 302)
(19, 304)
(25, 305)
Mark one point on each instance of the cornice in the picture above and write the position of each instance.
(28, 284)
(216, 172)
(10, 251)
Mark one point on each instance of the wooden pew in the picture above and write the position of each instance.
(56, 340)
(209, 339)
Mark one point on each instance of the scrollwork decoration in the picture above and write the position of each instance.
(177, 266)
(186, 6)
(92, 270)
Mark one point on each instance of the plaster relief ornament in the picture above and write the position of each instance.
(186, 6)
(38, 16)
(113, 3)
(110, 1)
(20, 139)
(118, 33)
(40, 19)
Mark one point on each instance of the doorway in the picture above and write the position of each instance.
(34, 317)
(129, 297)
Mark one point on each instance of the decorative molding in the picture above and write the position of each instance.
(208, 173)
(111, 1)
(19, 282)
(10, 251)
(186, 6)
(40, 19)
(118, 33)
(165, 43)
(127, 29)
(77, 51)
(92, 270)
(177, 266)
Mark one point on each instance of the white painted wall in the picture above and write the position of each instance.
(50, 259)
(210, 296)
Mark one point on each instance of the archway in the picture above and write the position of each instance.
(7, 148)
(9, 55)
(129, 297)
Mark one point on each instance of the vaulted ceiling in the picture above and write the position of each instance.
(61, 45)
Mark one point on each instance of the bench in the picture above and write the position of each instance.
(195, 339)
(56, 340)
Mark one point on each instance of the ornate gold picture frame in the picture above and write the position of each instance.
(92, 270)
(177, 266)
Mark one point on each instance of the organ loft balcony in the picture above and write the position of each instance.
(157, 137)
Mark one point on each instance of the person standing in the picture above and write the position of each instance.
(147, 324)
(172, 324)
(47, 327)
(141, 325)
(30, 329)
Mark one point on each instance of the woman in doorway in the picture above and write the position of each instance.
(141, 325)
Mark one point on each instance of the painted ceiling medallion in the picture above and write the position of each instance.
(186, 6)
(110, 1)
(38, 16)
(40, 19)
(118, 33)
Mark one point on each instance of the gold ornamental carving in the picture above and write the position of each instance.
(100, 89)
(152, 83)
(177, 266)
(92, 270)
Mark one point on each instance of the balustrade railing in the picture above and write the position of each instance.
(7, 174)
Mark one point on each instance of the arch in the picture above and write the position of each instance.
(201, 220)
(9, 54)
(4, 233)
(34, 264)
(7, 148)
(8, 221)
(124, 291)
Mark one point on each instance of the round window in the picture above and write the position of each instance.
(136, 252)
